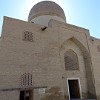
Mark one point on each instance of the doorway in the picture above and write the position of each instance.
(74, 89)
(26, 95)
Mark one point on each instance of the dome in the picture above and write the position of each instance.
(46, 8)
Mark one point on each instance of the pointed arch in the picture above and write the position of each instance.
(71, 60)
(88, 66)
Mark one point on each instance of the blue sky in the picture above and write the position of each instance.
(83, 13)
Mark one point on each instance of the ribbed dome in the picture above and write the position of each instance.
(46, 8)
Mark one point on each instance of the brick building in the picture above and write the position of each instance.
(45, 55)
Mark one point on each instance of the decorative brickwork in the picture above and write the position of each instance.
(28, 36)
(71, 61)
(26, 79)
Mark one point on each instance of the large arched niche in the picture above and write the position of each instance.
(88, 67)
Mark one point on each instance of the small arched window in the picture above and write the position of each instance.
(71, 60)
(26, 79)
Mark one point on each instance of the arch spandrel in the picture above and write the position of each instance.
(77, 42)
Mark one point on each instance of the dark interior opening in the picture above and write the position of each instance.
(22, 95)
(26, 95)
(74, 89)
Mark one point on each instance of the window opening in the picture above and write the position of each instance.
(26, 79)
(28, 36)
